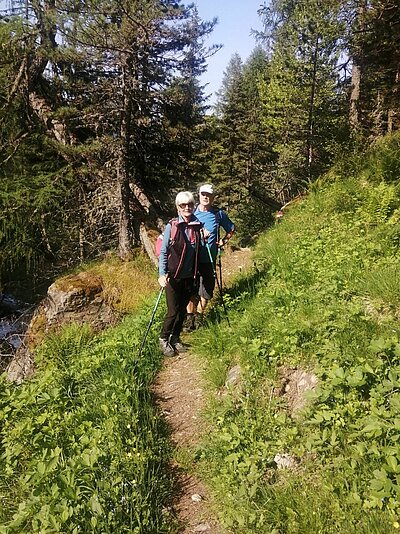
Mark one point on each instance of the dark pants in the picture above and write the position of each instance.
(207, 280)
(178, 293)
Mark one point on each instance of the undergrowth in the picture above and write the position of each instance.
(82, 448)
(324, 297)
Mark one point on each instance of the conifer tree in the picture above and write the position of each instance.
(97, 78)
(241, 151)
(35, 183)
(302, 99)
(228, 165)
(373, 37)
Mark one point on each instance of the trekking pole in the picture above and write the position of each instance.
(220, 268)
(151, 322)
(218, 284)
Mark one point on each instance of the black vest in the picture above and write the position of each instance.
(179, 245)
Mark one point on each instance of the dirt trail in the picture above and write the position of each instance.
(179, 390)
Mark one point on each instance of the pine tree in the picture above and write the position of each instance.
(228, 165)
(373, 45)
(36, 185)
(302, 100)
(241, 150)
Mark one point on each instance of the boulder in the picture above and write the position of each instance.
(76, 299)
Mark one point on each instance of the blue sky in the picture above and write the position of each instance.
(236, 18)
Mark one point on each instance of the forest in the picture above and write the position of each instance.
(85, 448)
(103, 117)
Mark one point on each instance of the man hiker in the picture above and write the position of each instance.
(212, 218)
(178, 270)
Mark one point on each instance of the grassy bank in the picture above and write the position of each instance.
(82, 448)
(325, 298)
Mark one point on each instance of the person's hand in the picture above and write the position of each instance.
(206, 234)
(163, 280)
(221, 243)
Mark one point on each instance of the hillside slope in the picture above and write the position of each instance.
(324, 302)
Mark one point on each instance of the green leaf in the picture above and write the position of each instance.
(392, 463)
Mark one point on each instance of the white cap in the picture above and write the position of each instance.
(207, 188)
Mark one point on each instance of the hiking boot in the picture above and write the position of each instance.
(177, 344)
(166, 348)
(189, 323)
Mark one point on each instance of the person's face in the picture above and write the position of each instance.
(206, 199)
(186, 209)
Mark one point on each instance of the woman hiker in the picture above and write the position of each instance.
(178, 270)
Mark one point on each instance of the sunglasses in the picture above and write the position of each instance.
(188, 204)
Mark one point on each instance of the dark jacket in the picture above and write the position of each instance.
(180, 248)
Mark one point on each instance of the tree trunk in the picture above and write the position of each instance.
(124, 233)
(354, 118)
(147, 244)
(125, 226)
(55, 128)
(147, 206)
(378, 116)
(356, 71)
(310, 122)
(392, 112)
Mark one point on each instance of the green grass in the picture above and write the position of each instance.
(82, 447)
(325, 298)
(83, 450)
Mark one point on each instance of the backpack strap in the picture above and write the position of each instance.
(174, 228)
(218, 216)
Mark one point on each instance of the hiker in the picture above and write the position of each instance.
(178, 270)
(212, 218)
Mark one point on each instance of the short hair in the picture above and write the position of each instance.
(184, 196)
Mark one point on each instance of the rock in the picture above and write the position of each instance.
(202, 527)
(234, 376)
(21, 366)
(73, 299)
(78, 299)
(285, 461)
(294, 384)
(196, 497)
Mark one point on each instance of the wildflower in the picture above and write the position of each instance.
(396, 524)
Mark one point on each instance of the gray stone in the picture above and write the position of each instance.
(202, 527)
(234, 376)
(74, 299)
(285, 461)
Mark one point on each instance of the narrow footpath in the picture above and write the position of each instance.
(180, 394)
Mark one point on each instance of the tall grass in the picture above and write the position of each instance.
(126, 283)
(327, 302)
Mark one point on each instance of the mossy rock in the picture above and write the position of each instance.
(73, 299)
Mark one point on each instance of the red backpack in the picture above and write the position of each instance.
(159, 240)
